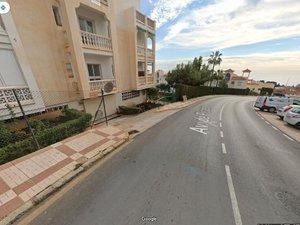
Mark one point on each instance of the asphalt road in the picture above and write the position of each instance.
(190, 169)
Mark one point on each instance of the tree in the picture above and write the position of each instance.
(214, 59)
(193, 73)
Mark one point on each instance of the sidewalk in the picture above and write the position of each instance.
(143, 121)
(23, 179)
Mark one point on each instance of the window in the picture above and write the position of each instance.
(86, 25)
(95, 71)
(129, 95)
(57, 15)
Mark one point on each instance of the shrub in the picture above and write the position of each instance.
(5, 135)
(46, 137)
(129, 110)
(69, 114)
(152, 93)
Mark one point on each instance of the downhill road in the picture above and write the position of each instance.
(216, 163)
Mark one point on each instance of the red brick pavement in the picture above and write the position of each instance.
(22, 179)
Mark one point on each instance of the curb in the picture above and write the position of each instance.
(15, 215)
(283, 132)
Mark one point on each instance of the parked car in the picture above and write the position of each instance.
(272, 103)
(293, 117)
(281, 112)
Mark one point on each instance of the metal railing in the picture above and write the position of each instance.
(7, 96)
(98, 85)
(96, 41)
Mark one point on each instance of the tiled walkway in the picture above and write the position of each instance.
(24, 178)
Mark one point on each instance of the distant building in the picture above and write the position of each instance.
(256, 86)
(235, 81)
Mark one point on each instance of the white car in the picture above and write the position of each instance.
(293, 117)
(272, 103)
(281, 112)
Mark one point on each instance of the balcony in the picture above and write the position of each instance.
(7, 96)
(141, 51)
(145, 21)
(96, 41)
(97, 85)
(150, 53)
(150, 79)
(99, 2)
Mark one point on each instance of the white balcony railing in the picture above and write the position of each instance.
(7, 96)
(142, 80)
(150, 79)
(96, 41)
(140, 17)
(98, 85)
(151, 23)
(150, 53)
(140, 50)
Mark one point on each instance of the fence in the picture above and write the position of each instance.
(197, 91)
(30, 120)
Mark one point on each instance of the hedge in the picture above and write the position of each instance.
(197, 91)
(45, 138)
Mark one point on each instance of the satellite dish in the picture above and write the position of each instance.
(108, 87)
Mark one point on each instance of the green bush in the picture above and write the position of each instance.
(129, 110)
(46, 137)
(5, 135)
(197, 91)
(69, 114)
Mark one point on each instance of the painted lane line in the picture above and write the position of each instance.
(221, 112)
(291, 139)
(221, 125)
(224, 148)
(222, 134)
(234, 202)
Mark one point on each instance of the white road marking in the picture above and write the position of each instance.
(224, 148)
(267, 122)
(199, 130)
(222, 134)
(234, 202)
(275, 128)
(291, 139)
(221, 112)
(220, 124)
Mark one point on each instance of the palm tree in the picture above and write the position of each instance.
(214, 59)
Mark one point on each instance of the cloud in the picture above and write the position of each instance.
(227, 23)
(269, 66)
(167, 10)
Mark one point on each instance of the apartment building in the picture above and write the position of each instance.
(64, 52)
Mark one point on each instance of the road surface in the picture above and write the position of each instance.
(216, 163)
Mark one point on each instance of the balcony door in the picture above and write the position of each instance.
(86, 25)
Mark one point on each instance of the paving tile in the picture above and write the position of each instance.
(3, 186)
(23, 187)
(101, 133)
(66, 150)
(94, 146)
(84, 142)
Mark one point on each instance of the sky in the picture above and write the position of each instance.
(262, 35)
